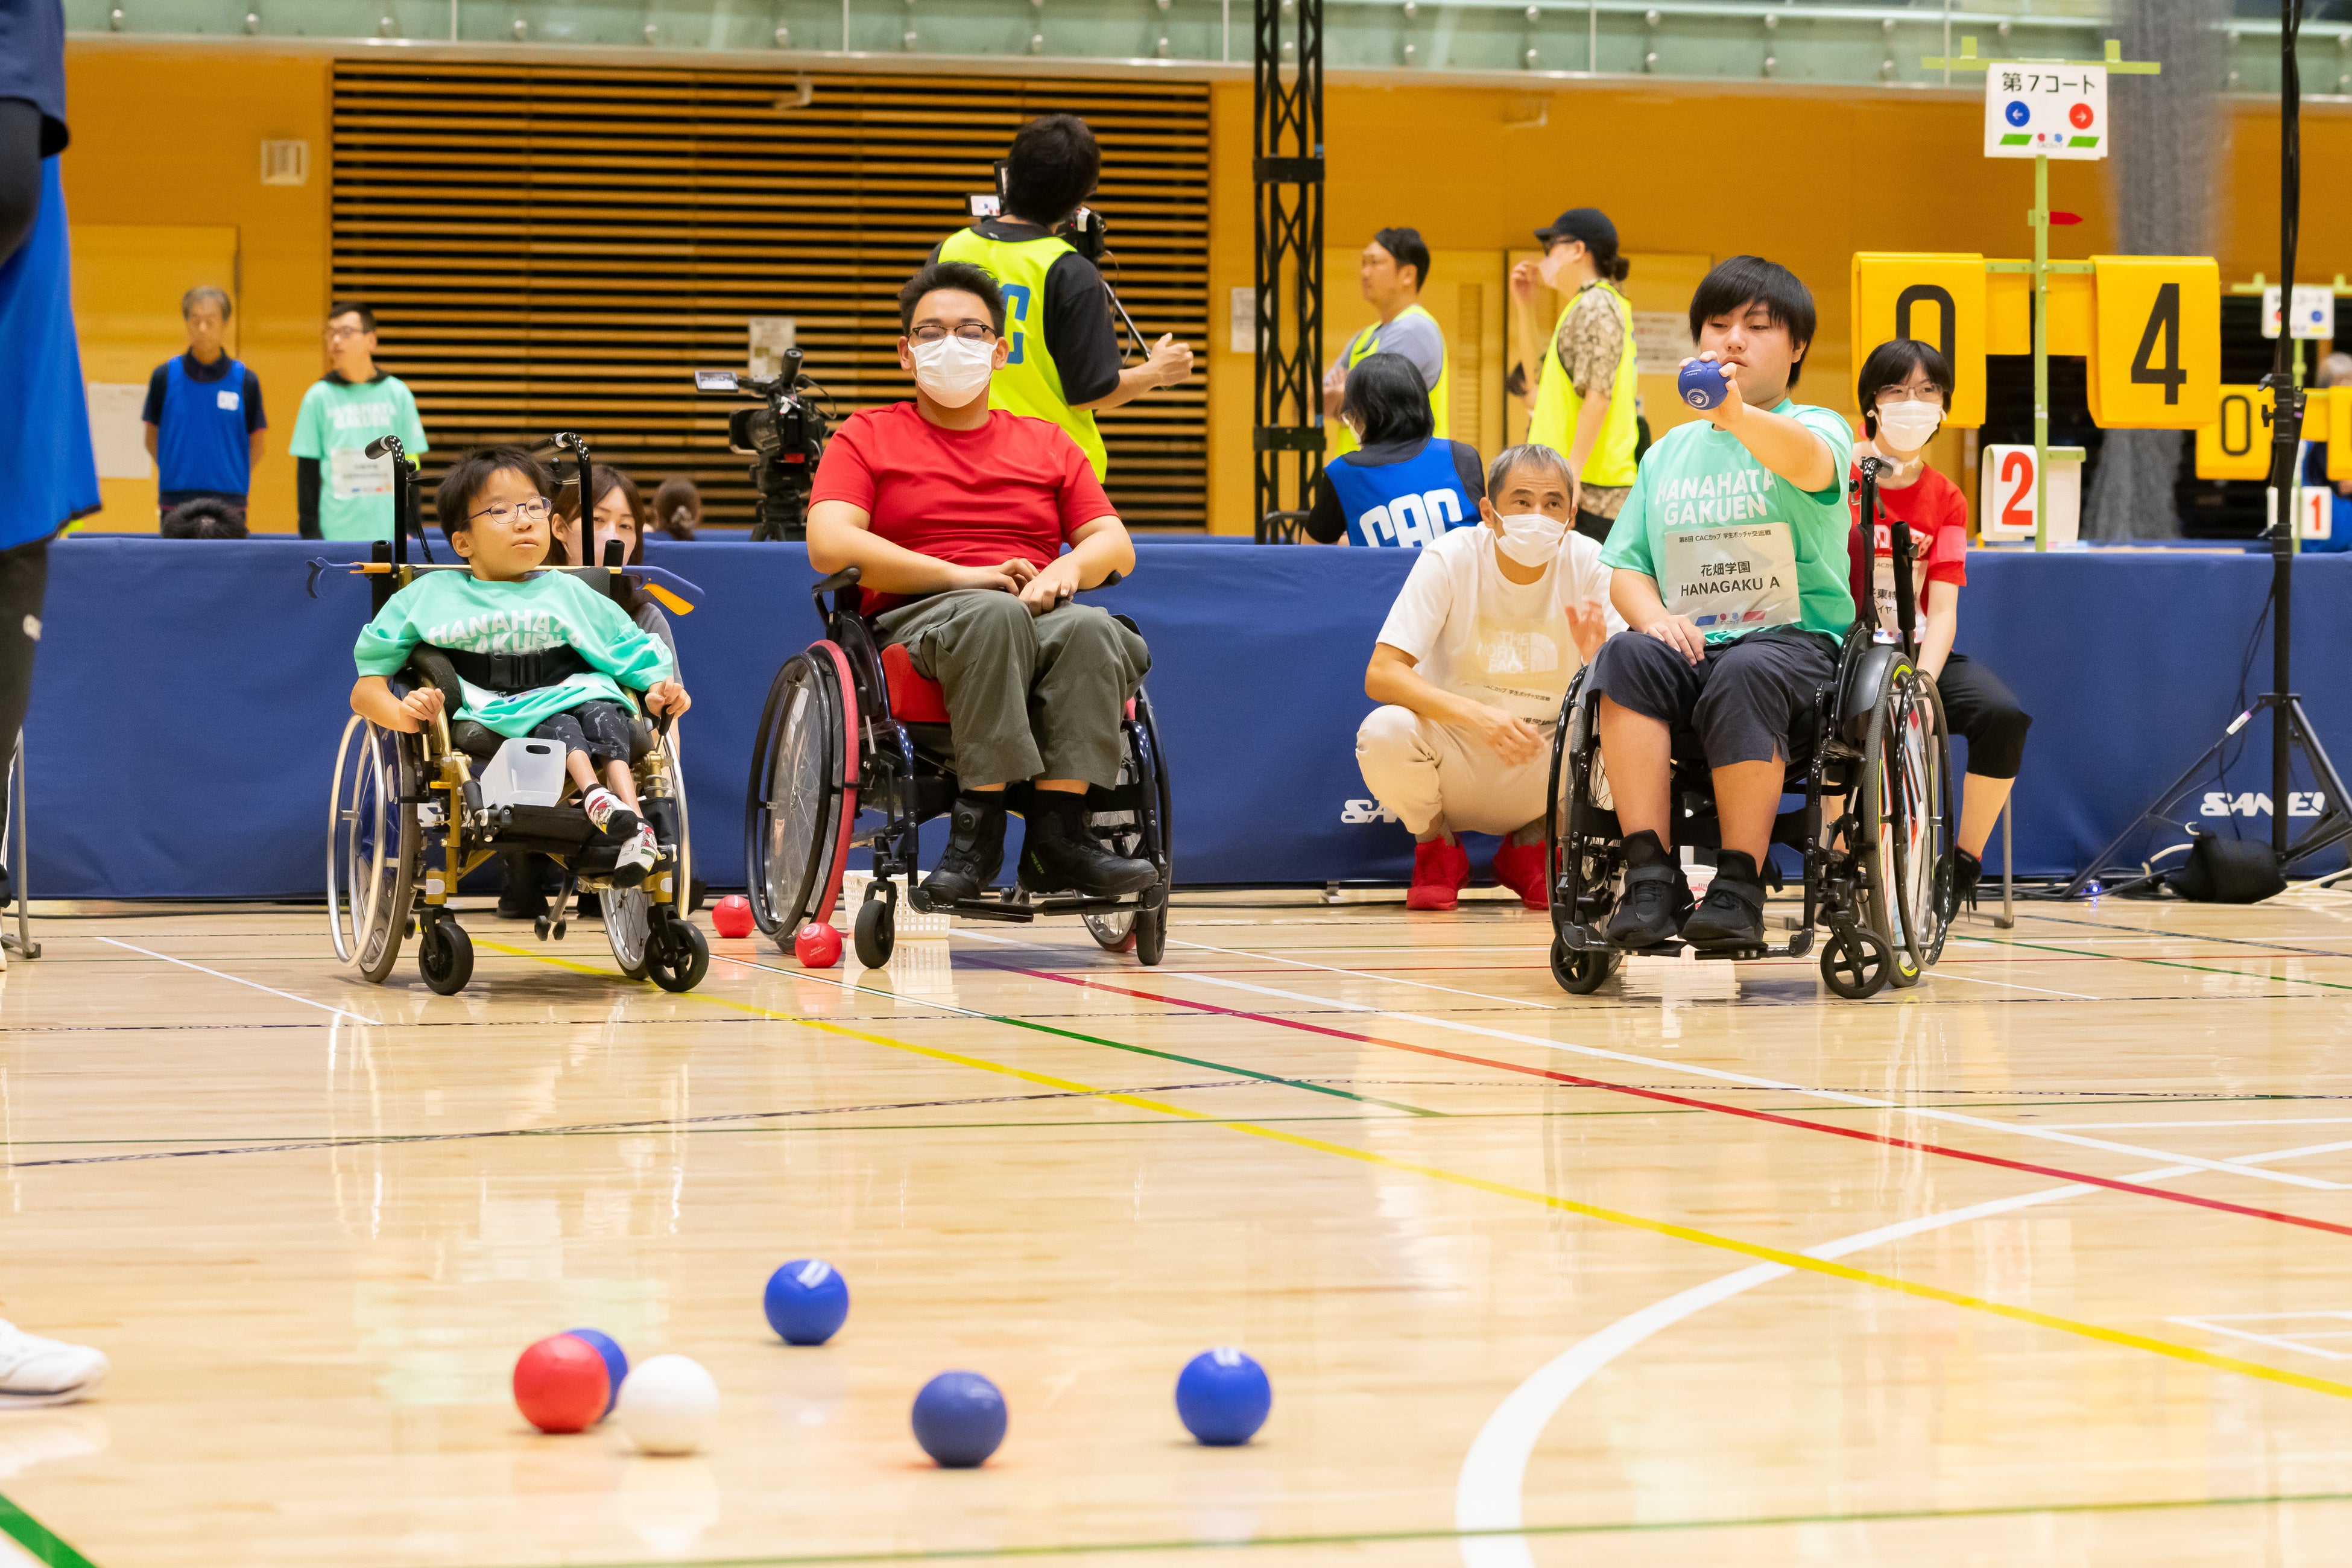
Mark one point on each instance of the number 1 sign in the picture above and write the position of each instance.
(2005, 496)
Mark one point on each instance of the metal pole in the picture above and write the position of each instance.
(2287, 426)
(2039, 217)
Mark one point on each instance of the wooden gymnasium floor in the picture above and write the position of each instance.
(2047, 1262)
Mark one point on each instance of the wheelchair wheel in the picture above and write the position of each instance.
(1888, 901)
(1138, 833)
(1929, 839)
(1114, 932)
(444, 956)
(1581, 971)
(374, 844)
(876, 932)
(677, 954)
(628, 915)
(1151, 935)
(1857, 964)
(682, 870)
(798, 811)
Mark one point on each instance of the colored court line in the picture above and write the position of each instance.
(1381, 1537)
(1667, 1228)
(2173, 963)
(1690, 1103)
(45, 1545)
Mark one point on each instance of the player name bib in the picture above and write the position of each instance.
(1732, 580)
(354, 474)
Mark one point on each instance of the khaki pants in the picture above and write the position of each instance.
(1423, 769)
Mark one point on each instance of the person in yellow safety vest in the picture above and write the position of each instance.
(1395, 270)
(1064, 362)
(1583, 399)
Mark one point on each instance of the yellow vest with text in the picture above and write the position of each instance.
(1030, 383)
(1360, 347)
(1558, 405)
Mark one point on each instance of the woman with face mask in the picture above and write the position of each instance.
(1397, 484)
(1470, 668)
(1904, 389)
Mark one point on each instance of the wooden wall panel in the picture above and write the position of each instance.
(552, 247)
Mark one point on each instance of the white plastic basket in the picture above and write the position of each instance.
(904, 924)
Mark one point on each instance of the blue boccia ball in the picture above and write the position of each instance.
(806, 1300)
(616, 1361)
(959, 1419)
(1222, 1397)
(1701, 384)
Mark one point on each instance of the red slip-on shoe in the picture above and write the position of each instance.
(1439, 869)
(1520, 867)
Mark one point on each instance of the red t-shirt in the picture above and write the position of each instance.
(1015, 488)
(1938, 515)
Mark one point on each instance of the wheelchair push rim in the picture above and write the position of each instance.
(1137, 835)
(1882, 918)
(798, 808)
(373, 845)
(1919, 788)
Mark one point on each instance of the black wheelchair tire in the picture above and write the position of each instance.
(1857, 964)
(1151, 935)
(782, 910)
(1882, 906)
(444, 956)
(876, 934)
(373, 950)
(678, 956)
(1581, 971)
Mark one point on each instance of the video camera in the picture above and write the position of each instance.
(784, 439)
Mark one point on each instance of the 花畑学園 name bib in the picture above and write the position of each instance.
(1733, 579)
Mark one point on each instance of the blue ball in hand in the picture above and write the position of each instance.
(806, 1300)
(1701, 383)
(960, 1419)
(1222, 1397)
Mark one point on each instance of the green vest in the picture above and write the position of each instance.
(1341, 439)
(1030, 383)
(1558, 406)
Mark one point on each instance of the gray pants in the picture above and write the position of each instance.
(1029, 696)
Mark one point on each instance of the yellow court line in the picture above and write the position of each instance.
(1797, 1260)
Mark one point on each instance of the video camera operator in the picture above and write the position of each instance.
(784, 438)
(1066, 362)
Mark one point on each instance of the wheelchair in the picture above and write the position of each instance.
(1877, 874)
(854, 751)
(410, 815)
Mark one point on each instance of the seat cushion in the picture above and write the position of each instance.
(915, 697)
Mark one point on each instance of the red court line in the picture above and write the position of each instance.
(1578, 1080)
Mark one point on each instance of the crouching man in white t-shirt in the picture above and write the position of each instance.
(1470, 670)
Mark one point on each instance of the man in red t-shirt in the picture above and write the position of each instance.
(955, 515)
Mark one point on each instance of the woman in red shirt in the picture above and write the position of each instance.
(1904, 389)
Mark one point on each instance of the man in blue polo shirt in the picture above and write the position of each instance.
(204, 413)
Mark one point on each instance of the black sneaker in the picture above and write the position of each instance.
(1965, 871)
(1732, 913)
(974, 854)
(1656, 898)
(1057, 852)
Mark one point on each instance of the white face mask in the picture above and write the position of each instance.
(1555, 266)
(952, 370)
(1530, 538)
(1909, 427)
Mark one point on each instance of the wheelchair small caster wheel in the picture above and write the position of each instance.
(1857, 964)
(1580, 971)
(445, 957)
(542, 926)
(876, 932)
(676, 958)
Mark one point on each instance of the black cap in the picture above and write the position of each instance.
(1589, 225)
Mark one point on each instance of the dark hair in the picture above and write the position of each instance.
(1052, 167)
(454, 501)
(1607, 263)
(678, 507)
(1388, 399)
(1405, 245)
(604, 480)
(1745, 280)
(204, 518)
(352, 307)
(1893, 360)
(938, 275)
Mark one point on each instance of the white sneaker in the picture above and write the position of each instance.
(36, 1372)
(631, 867)
(605, 810)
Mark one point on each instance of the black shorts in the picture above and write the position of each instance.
(1744, 700)
(1979, 705)
(603, 730)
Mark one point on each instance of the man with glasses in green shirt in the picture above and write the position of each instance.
(1730, 569)
(340, 491)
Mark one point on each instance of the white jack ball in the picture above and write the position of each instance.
(669, 1404)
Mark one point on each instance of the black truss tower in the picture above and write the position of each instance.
(1286, 136)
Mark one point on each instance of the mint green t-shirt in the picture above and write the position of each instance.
(337, 420)
(1731, 543)
(547, 609)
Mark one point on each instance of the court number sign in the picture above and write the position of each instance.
(2045, 110)
(1936, 299)
(2155, 341)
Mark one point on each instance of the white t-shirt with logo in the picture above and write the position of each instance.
(1477, 635)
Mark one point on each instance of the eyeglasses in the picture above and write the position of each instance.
(506, 516)
(1895, 393)
(970, 331)
(337, 334)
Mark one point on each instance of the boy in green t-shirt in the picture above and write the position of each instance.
(340, 492)
(538, 653)
(1730, 569)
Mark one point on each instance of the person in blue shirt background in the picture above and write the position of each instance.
(1403, 484)
(2336, 369)
(203, 415)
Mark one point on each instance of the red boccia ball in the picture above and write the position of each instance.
(817, 946)
(732, 915)
(561, 1384)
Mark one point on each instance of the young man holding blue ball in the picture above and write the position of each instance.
(1729, 566)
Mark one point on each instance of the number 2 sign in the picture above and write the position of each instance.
(2155, 341)
(2005, 495)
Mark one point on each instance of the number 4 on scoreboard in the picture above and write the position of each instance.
(2155, 341)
